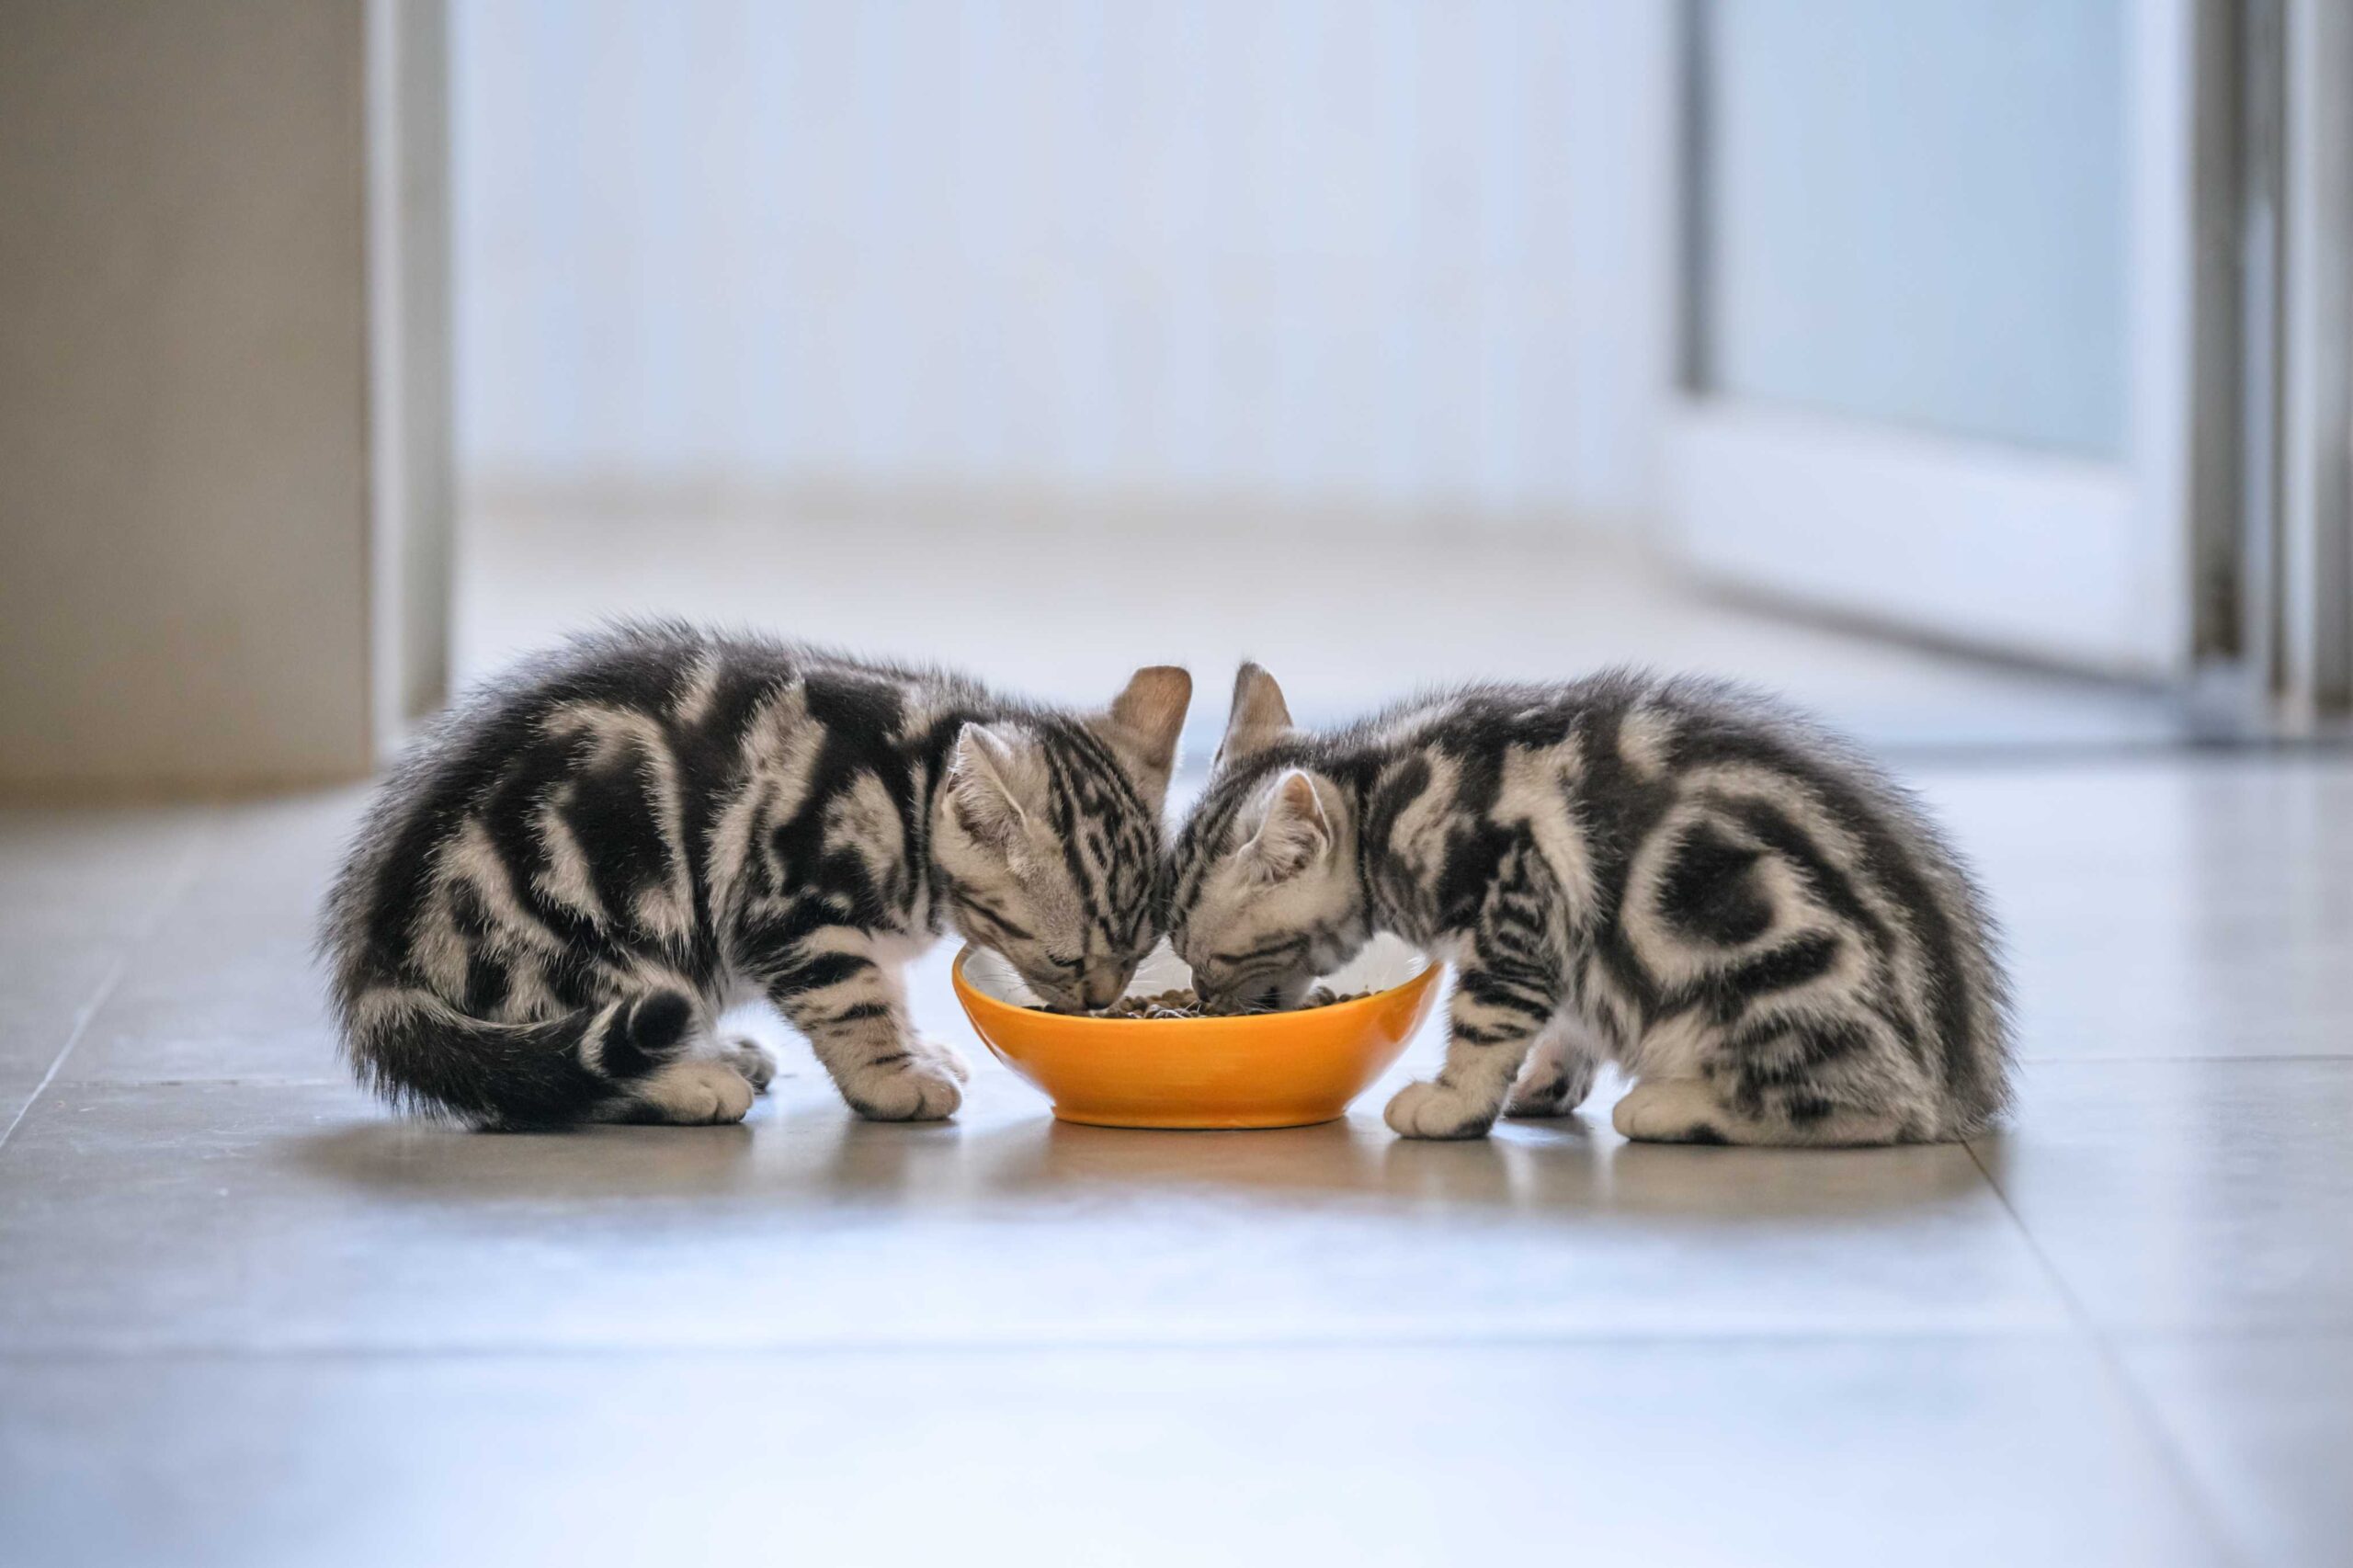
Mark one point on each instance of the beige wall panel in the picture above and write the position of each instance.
(184, 327)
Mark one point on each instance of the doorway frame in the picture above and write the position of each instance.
(1917, 532)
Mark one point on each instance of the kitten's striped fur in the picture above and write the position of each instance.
(1754, 922)
(556, 893)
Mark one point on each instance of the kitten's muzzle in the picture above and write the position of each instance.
(1104, 986)
(1257, 990)
(1227, 994)
(1229, 1005)
(1057, 996)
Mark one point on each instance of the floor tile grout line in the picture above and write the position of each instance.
(2136, 1399)
(192, 861)
(82, 1020)
(2068, 1337)
(2251, 1057)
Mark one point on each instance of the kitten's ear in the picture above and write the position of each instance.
(1143, 724)
(980, 787)
(1258, 718)
(1296, 833)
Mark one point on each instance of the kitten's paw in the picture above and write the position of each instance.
(694, 1094)
(913, 1088)
(1550, 1097)
(1434, 1110)
(1671, 1110)
(949, 1057)
(750, 1058)
(1556, 1091)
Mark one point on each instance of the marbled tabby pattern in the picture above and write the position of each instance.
(557, 892)
(1761, 928)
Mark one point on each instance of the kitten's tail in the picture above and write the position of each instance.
(414, 1050)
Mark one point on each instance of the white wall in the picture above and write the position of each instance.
(1322, 250)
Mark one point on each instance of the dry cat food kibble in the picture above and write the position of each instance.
(1178, 1004)
(1182, 1004)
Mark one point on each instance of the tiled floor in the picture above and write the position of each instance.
(245, 1317)
(1347, 619)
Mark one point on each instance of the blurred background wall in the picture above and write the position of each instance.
(219, 550)
(1973, 370)
(984, 330)
(1384, 256)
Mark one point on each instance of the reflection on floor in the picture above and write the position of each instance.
(1348, 624)
(245, 1317)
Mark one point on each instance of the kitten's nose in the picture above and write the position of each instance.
(1101, 989)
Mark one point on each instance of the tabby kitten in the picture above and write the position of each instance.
(557, 892)
(1754, 922)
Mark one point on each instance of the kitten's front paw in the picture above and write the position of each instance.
(949, 1057)
(1434, 1110)
(915, 1088)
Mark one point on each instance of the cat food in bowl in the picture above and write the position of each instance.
(1151, 1059)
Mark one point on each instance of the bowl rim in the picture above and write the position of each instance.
(970, 994)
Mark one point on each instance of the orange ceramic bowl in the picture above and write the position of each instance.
(1259, 1070)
